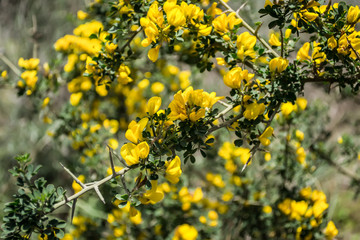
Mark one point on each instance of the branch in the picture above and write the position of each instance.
(89, 188)
(10, 64)
(250, 29)
(130, 39)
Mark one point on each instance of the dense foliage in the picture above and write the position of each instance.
(176, 160)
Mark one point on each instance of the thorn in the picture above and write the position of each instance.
(73, 209)
(74, 177)
(258, 28)
(111, 160)
(99, 194)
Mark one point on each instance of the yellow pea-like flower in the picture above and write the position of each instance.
(204, 30)
(173, 170)
(303, 53)
(153, 105)
(353, 15)
(332, 43)
(236, 76)
(153, 53)
(266, 134)
(253, 110)
(278, 64)
(75, 98)
(134, 132)
(143, 149)
(176, 16)
(274, 40)
(130, 153)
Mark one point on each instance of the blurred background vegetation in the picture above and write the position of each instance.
(31, 27)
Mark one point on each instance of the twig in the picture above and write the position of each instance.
(73, 209)
(89, 188)
(250, 29)
(10, 64)
(130, 39)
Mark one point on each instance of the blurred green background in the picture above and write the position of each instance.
(25, 23)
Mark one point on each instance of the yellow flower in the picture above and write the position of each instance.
(267, 156)
(245, 44)
(75, 98)
(299, 135)
(175, 16)
(77, 188)
(204, 30)
(303, 53)
(301, 102)
(268, 3)
(153, 195)
(81, 15)
(130, 153)
(185, 232)
(266, 134)
(278, 64)
(113, 143)
(309, 16)
(253, 110)
(267, 209)
(157, 87)
(287, 108)
(30, 78)
(29, 64)
(332, 43)
(274, 40)
(331, 231)
(319, 207)
(173, 170)
(153, 105)
(353, 15)
(235, 77)
(306, 192)
(153, 53)
(134, 132)
(4, 74)
(224, 24)
(213, 215)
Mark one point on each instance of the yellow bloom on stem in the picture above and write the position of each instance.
(274, 40)
(153, 53)
(75, 98)
(353, 15)
(175, 16)
(30, 78)
(268, 3)
(134, 132)
(173, 170)
(143, 149)
(29, 64)
(331, 231)
(287, 108)
(153, 105)
(265, 135)
(245, 43)
(185, 232)
(278, 64)
(332, 43)
(253, 110)
(303, 53)
(204, 30)
(235, 77)
(319, 207)
(130, 153)
(301, 102)
(309, 16)
(267, 209)
(224, 23)
(157, 87)
(153, 195)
